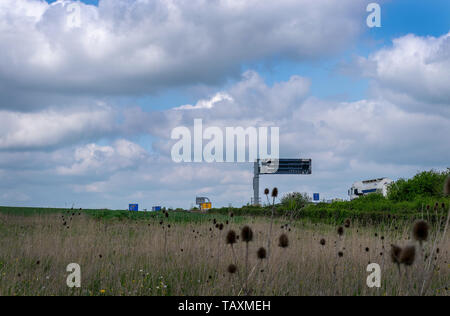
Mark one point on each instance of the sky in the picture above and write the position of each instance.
(91, 91)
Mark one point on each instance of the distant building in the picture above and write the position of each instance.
(366, 187)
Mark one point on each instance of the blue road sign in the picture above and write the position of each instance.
(316, 197)
(133, 207)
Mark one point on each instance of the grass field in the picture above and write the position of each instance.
(123, 253)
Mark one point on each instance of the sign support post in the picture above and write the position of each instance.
(278, 166)
(256, 183)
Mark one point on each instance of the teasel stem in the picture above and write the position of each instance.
(250, 275)
(246, 268)
(427, 281)
(235, 263)
(269, 238)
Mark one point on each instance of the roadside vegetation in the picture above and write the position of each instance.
(419, 197)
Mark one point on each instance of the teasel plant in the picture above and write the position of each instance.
(231, 239)
(269, 237)
(430, 264)
(219, 245)
(283, 243)
(428, 240)
(339, 247)
(247, 237)
(261, 255)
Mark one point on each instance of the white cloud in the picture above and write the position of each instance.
(95, 159)
(413, 72)
(207, 104)
(50, 128)
(333, 133)
(125, 46)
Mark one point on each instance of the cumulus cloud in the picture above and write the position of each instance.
(93, 159)
(129, 46)
(414, 71)
(53, 128)
(208, 103)
(335, 133)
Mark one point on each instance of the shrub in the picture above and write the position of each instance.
(427, 184)
(295, 201)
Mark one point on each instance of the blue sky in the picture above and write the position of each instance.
(87, 111)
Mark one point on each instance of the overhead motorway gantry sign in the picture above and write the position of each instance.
(278, 167)
(285, 166)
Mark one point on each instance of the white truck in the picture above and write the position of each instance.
(366, 187)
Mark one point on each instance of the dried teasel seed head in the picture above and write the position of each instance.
(231, 237)
(323, 242)
(408, 255)
(347, 223)
(262, 253)
(266, 191)
(283, 241)
(340, 230)
(247, 234)
(275, 192)
(420, 231)
(395, 253)
(232, 269)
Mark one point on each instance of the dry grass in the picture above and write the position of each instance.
(146, 258)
